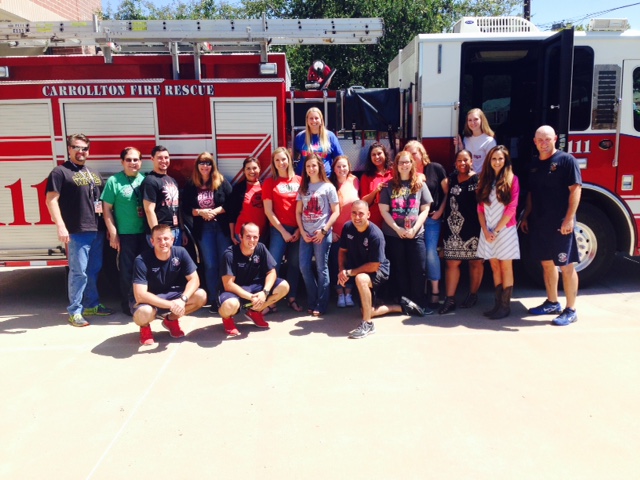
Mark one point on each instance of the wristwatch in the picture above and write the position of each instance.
(267, 292)
(323, 232)
(184, 298)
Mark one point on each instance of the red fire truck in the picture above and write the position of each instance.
(191, 86)
(586, 84)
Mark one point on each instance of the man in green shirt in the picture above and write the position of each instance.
(124, 217)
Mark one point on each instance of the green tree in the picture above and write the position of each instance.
(364, 65)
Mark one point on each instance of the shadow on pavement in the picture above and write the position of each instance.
(332, 325)
(472, 318)
(128, 345)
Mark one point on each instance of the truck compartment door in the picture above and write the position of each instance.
(554, 86)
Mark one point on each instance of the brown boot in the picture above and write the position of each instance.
(496, 303)
(505, 305)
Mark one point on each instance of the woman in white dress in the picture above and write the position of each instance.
(497, 194)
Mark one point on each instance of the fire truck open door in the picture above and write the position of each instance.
(554, 86)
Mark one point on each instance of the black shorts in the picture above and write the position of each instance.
(548, 243)
(160, 311)
(255, 288)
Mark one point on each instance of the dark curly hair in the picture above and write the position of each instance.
(370, 169)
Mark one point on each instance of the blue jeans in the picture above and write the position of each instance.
(131, 245)
(84, 252)
(317, 288)
(333, 265)
(278, 247)
(431, 238)
(214, 240)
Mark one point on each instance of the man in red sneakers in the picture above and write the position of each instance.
(165, 285)
(249, 280)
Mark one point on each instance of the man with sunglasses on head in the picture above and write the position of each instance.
(73, 200)
(160, 196)
(125, 219)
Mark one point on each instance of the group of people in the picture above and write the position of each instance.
(377, 235)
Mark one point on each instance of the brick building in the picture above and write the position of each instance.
(47, 10)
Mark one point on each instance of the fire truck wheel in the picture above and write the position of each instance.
(596, 241)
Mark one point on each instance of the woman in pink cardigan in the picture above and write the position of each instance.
(497, 194)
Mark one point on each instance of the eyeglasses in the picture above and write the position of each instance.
(206, 164)
(79, 148)
(131, 160)
(406, 162)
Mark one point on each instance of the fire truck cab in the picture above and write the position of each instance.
(586, 84)
(192, 86)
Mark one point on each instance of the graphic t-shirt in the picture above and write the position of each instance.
(301, 150)
(163, 191)
(404, 205)
(316, 205)
(79, 190)
(283, 193)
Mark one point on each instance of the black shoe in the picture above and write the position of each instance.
(213, 308)
(449, 305)
(411, 308)
(470, 301)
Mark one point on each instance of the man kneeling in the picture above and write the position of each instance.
(249, 277)
(361, 257)
(165, 286)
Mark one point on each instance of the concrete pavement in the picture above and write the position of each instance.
(444, 397)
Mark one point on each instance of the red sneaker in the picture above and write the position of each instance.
(230, 326)
(146, 336)
(173, 326)
(257, 318)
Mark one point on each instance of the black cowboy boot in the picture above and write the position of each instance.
(496, 303)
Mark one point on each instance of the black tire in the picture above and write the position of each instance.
(596, 240)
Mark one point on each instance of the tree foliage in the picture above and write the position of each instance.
(364, 65)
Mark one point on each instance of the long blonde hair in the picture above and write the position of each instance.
(484, 123)
(216, 177)
(325, 144)
(423, 152)
(274, 170)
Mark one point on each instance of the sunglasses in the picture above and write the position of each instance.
(78, 148)
(131, 160)
(206, 164)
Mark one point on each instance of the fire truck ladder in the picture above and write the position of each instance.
(195, 37)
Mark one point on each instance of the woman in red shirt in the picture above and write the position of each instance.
(377, 174)
(279, 193)
(246, 202)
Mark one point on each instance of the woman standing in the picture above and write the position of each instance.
(404, 205)
(498, 190)
(246, 203)
(316, 139)
(316, 212)
(461, 230)
(478, 138)
(279, 194)
(434, 174)
(376, 176)
(206, 196)
(347, 185)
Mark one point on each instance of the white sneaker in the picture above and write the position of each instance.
(341, 300)
(348, 300)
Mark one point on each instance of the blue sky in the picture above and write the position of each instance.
(544, 12)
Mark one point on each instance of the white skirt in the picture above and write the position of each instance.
(506, 246)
